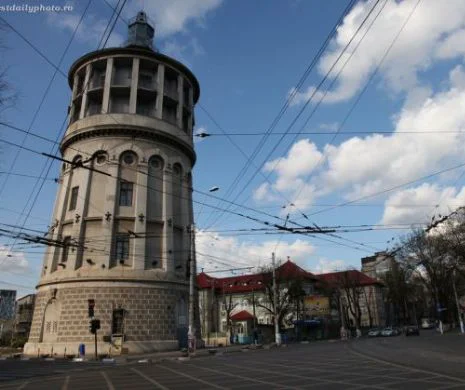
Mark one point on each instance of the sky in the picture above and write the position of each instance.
(370, 141)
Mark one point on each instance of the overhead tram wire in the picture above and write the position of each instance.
(62, 73)
(333, 81)
(374, 132)
(389, 189)
(107, 39)
(76, 165)
(63, 124)
(315, 108)
(289, 99)
(360, 95)
(44, 96)
(315, 231)
(57, 143)
(303, 107)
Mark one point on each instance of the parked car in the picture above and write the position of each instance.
(388, 332)
(397, 331)
(412, 330)
(427, 323)
(375, 332)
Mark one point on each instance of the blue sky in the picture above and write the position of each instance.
(248, 57)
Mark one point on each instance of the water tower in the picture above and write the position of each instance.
(123, 209)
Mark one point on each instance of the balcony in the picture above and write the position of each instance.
(97, 82)
(147, 82)
(171, 93)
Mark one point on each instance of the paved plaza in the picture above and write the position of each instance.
(395, 363)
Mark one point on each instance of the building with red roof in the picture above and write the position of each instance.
(238, 304)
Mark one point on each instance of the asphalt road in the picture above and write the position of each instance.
(425, 362)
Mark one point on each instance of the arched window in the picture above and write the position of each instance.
(177, 170)
(100, 158)
(129, 158)
(128, 176)
(77, 161)
(156, 163)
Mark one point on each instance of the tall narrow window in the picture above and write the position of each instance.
(65, 251)
(125, 193)
(118, 321)
(74, 196)
(122, 248)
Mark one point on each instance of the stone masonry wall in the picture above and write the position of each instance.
(150, 312)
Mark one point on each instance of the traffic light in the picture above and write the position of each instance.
(94, 325)
(90, 307)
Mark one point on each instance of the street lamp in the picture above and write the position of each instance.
(212, 189)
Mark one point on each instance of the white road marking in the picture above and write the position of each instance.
(245, 377)
(304, 377)
(193, 378)
(107, 380)
(65, 384)
(429, 372)
(23, 385)
(153, 381)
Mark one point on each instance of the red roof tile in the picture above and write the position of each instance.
(243, 315)
(357, 277)
(252, 282)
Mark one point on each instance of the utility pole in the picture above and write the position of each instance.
(275, 303)
(457, 304)
(191, 330)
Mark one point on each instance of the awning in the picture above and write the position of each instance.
(243, 315)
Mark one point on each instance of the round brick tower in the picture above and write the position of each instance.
(123, 211)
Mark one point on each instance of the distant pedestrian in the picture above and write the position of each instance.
(255, 336)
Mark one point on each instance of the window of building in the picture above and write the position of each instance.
(146, 80)
(100, 158)
(129, 158)
(74, 196)
(156, 162)
(65, 252)
(125, 193)
(122, 248)
(117, 321)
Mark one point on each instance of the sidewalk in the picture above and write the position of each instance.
(172, 355)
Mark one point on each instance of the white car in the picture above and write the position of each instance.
(375, 332)
(387, 332)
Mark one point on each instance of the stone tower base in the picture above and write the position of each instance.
(107, 348)
(154, 317)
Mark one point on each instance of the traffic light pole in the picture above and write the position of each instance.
(191, 331)
(96, 354)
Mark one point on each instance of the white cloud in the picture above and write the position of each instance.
(407, 206)
(229, 252)
(182, 51)
(13, 262)
(361, 166)
(173, 16)
(90, 30)
(324, 266)
(169, 16)
(434, 32)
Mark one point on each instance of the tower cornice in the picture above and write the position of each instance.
(136, 51)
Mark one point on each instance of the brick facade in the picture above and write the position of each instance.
(151, 314)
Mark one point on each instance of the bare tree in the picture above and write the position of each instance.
(430, 257)
(7, 96)
(290, 295)
(351, 293)
(228, 306)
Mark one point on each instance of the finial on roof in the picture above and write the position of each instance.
(140, 32)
